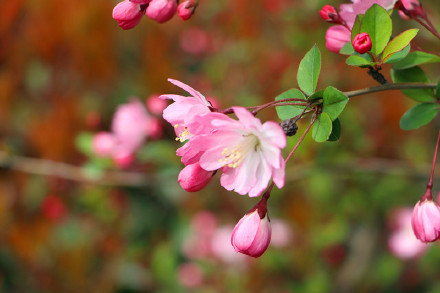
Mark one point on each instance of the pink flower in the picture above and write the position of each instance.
(128, 14)
(251, 235)
(336, 37)
(194, 41)
(362, 43)
(140, 1)
(402, 242)
(155, 104)
(103, 143)
(425, 220)
(186, 9)
(130, 126)
(193, 178)
(248, 152)
(161, 10)
(410, 9)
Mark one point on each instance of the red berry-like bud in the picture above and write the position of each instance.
(362, 43)
(328, 13)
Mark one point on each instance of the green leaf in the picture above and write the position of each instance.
(83, 142)
(399, 43)
(334, 102)
(416, 58)
(396, 57)
(287, 112)
(355, 60)
(413, 74)
(316, 95)
(419, 116)
(336, 130)
(377, 23)
(322, 128)
(437, 90)
(347, 49)
(356, 26)
(308, 71)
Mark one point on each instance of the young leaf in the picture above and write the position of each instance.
(287, 112)
(83, 142)
(336, 131)
(308, 71)
(416, 58)
(355, 60)
(347, 49)
(399, 43)
(396, 57)
(419, 115)
(322, 128)
(413, 74)
(377, 23)
(334, 102)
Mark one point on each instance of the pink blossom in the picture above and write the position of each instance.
(362, 43)
(327, 12)
(123, 160)
(128, 14)
(161, 10)
(281, 233)
(190, 275)
(193, 178)
(222, 249)
(411, 9)
(425, 220)
(251, 235)
(103, 143)
(140, 1)
(248, 152)
(402, 242)
(155, 104)
(194, 41)
(336, 37)
(154, 129)
(186, 9)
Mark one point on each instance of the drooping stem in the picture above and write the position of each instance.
(301, 138)
(429, 185)
(429, 27)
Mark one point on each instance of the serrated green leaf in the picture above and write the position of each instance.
(323, 128)
(356, 26)
(287, 112)
(396, 57)
(347, 49)
(334, 102)
(355, 60)
(336, 130)
(399, 43)
(416, 58)
(414, 74)
(418, 116)
(308, 71)
(377, 23)
(83, 142)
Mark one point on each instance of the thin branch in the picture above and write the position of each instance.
(390, 86)
(71, 172)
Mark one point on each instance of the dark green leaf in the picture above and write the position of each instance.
(414, 74)
(334, 102)
(399, 43)
(416, 58)
(322, 128)
(287, 112)
(316, 95)
(308, 71)
(377, 23)
(336, 130)
(418, 116)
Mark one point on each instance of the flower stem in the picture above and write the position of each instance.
(429, 27)
(429, 185)
(390, 86)
(301, 138)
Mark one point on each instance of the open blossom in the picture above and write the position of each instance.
(247, 151)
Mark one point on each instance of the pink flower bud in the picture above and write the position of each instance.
(362, 43)
(123, 160)
(186, 9)
(161, 10)
(193, 178)
(410, 9)
(252, 233)
(156, 105)
(128, 14)
(329, 13)
(103, 144)
(336, 37)
(140, 1)
(425, 220)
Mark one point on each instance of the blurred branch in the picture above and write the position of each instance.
(390, 86)
(71, 172)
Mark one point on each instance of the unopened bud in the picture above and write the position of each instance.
(128, 14)
(193, 178)
(186, 9)
(161, 10)
(362, 43)
(425, 219)
(330, 14)
(289, 126)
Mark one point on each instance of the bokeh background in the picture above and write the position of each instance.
(90, 225)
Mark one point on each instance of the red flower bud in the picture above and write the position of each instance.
(186, 9)
(127, 14)
(362, 43)
(328, 13)
(193, 178)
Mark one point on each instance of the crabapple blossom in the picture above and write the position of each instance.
(161, 10)
(186, 9)
(410, 9)
(425, 218)
(336, 37)
(128, 14)
(362, 43)
(193, 178)
(252, 233)
(103, 143)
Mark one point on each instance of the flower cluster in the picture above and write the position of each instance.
(129, 13)
(245, 150)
